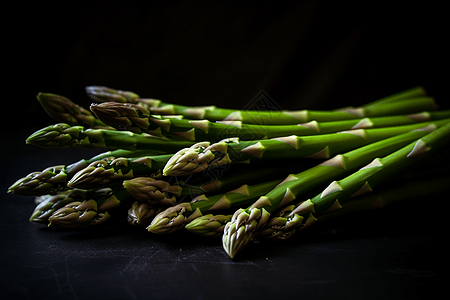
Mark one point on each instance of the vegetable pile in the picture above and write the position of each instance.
(241, 176)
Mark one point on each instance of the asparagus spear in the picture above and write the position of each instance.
(75, 215)
(104, 196)
(431, 177)
(51, 180)
(55, 178)
(50, 204)
(105, 94)
(77, 166)
(114, 169)
(90, 211)
(204, 155)
(176, 217)
(134, 118)
(212, 225)
(63, 110)
(233, 177)
(213, 113)
(151, 190)
(63, 135)
(259, 181)
(245, 222)
(363, 181)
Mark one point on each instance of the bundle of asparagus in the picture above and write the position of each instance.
(242, 175)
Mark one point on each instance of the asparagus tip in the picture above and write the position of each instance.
(239, 231)
(171, 219)
(74, 215)
(197, 158)
(153, 191)
(208, 225)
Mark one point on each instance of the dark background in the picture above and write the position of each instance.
(304, 54)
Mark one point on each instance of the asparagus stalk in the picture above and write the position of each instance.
(52, 203)
(239, 173)
(212, 225)
(431, 177)
(90, 211)
(213, 113)
(83, 163)
(54, 179)
(101, 94)
(63, 110)
(63, 135)
(246, 221)
(176, 217)
(363, 181)
(204, 155)
(285, 117)
(116, 169)
(51, 180)
(134, 118)
(151, 190)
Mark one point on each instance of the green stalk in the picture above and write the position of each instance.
(285, 117)
(112, 169)
(54, 179)
(425, 180)
(116, 169)
(236, 175)
(212, 225)
(176, 217)
(245, 222)
(204, 155)
(63, 135)
(363, 181)
(63, 110)
(101, 94)
(151, 190)
(130, 117)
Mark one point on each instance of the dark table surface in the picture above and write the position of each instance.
(395, 253)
